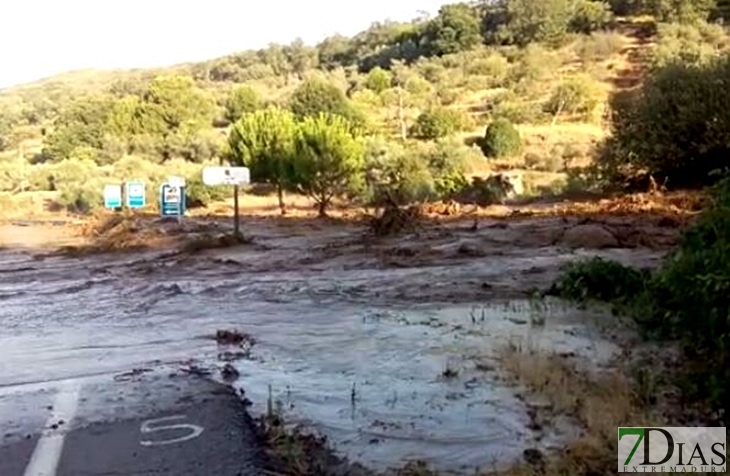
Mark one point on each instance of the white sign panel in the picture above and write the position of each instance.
(176, 181)
(226, 175)
(112, 196)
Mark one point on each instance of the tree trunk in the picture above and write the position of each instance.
(401, 118)
(280, 194)
(322, 207)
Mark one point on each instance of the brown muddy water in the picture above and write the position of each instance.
(389, 363)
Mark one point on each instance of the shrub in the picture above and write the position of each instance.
(684, 11)
(599, 279)
(599, 46)
(439, 122)
(494, 66)
(402, 172)
(577, 95)
(449, 162)
(678, 128)
(501, 139)
(590, 16)
(690, 300)
(378, 80)
(695, 44)
(686, 299)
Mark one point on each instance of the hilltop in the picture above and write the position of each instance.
(424, 90)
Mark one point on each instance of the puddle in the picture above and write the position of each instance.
(345, 352)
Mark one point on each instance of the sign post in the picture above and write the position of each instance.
(179, 184)
(135, 194)
(113, 196)
(172, 200)
(235, 176)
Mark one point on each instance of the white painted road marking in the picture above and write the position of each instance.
(148, 428)
(47, 453)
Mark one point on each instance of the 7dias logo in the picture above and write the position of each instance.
(672, 450)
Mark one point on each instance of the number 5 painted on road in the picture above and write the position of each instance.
(151, 426)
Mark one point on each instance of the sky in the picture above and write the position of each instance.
(40, 38)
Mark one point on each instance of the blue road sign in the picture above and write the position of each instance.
(112, 196)
(136, 194)
(172, 200)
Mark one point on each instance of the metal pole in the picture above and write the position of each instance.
(178, 208)
(235, 210)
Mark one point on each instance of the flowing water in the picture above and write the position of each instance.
(386, 379)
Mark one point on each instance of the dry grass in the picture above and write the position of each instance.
(599, 401)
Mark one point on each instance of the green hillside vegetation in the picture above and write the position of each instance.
(421, 107)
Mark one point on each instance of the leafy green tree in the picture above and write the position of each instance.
(334, 51)
(589, 16)
(242, 100)
(174, 106)
(264, 141)
(301, 57)
(456, 28)
(528, 21)
(275, 56)
(174, 102)
(315, 96)
(123, 121)
(329, 158)
(82, 124)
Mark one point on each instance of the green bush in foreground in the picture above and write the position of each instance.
(686, 299)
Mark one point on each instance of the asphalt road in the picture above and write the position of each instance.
(154, 423)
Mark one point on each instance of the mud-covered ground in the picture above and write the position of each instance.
(387, 345)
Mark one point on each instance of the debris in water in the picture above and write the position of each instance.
(234, 337)
(229, 373)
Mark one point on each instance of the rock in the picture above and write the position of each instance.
(534, 457)
(469, 249)
(591, 236)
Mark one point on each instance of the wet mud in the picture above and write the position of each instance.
(388, 346)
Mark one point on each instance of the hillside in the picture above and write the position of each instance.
(422, 90)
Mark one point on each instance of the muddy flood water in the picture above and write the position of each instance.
(389, 362)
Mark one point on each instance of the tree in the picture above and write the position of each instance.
(241, 100)
(456, 28)
(174, 106)
(329, 158)
(315, 96)
(264, 142)
(300, 57)
(82, 124)
(174, 102)
(529, 21)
